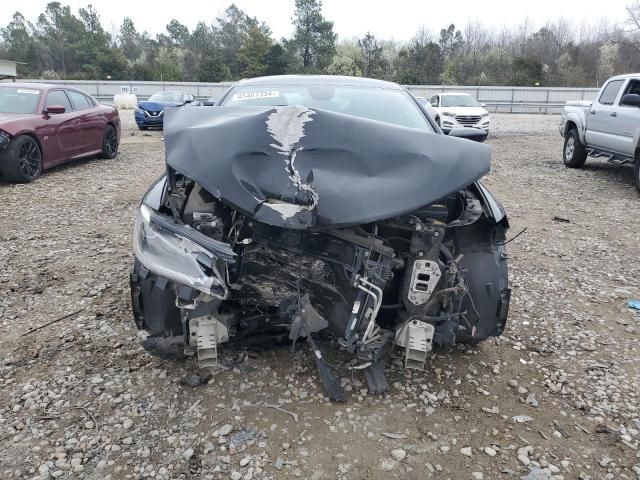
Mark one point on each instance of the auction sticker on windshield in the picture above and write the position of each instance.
(255, 95)
(29, 91)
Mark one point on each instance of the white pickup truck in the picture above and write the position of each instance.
(608, 127)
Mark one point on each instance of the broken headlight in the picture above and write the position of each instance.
(164, 251)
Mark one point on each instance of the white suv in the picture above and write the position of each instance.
(454, 110)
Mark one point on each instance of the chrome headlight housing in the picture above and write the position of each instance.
(448, 114)
(165, 248)
(485, 114)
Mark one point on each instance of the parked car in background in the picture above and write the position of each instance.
(454, 110)
(150, 113)
(44, 125)
(609, 127)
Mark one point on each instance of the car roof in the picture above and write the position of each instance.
(625, 76)
(446, 94)
(170, 91)
(33, 85)
(41, 86)
(333, 80)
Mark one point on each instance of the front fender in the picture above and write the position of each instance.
(493, 207)
(577, 118)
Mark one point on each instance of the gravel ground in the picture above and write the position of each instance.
(557, 396)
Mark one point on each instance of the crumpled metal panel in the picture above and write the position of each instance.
(297, 167)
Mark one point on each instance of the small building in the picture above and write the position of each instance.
(8, 69)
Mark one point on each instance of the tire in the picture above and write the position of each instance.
(109, 143)
(140, 127)
(573, 152)
(22, 160)
(636, 173)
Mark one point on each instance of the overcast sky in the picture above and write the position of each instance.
(398, 19)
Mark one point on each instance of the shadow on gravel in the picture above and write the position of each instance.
(619, 176)
(62, 168)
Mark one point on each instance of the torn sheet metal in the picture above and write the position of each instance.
(302, 168)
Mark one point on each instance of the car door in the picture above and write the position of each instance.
(58, 134)
(603, 127)
(90, 131)
(628, 119)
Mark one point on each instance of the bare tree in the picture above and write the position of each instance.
(633, 21)
(607, 62)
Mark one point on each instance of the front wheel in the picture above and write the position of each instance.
(574, 153)
(109, 143)
(22, 160)
(636, 173)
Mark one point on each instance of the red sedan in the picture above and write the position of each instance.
(45, 125)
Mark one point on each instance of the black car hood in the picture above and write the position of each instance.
(298, 167)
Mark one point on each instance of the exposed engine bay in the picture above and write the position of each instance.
(218, 262)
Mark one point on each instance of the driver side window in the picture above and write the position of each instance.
(610, 92)
(58, 97)
(633, 88)
(435, 101)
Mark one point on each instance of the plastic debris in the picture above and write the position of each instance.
(522, 419)
(239, 439)
(634, 303)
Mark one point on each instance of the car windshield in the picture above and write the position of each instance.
(459, 101)
(381, 104)
(19, 99)
(166, 97)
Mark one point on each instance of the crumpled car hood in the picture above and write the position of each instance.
(300, 168)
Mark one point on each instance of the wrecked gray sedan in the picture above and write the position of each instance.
(319, 207)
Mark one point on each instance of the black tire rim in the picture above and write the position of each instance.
(29, 158)
(110, 142)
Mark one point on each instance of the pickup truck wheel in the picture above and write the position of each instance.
(636, 173)
(574, 153)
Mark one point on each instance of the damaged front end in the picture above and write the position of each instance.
(290, 221)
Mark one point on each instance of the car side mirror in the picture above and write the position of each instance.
(630, 100)
(474, 134)
(54, 110)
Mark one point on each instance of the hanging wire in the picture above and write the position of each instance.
(513, 238)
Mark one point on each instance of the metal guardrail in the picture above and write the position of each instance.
(498, 99)
(530, 107)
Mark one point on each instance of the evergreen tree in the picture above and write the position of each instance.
(252, 56)
(372, 59)
(313, 44)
